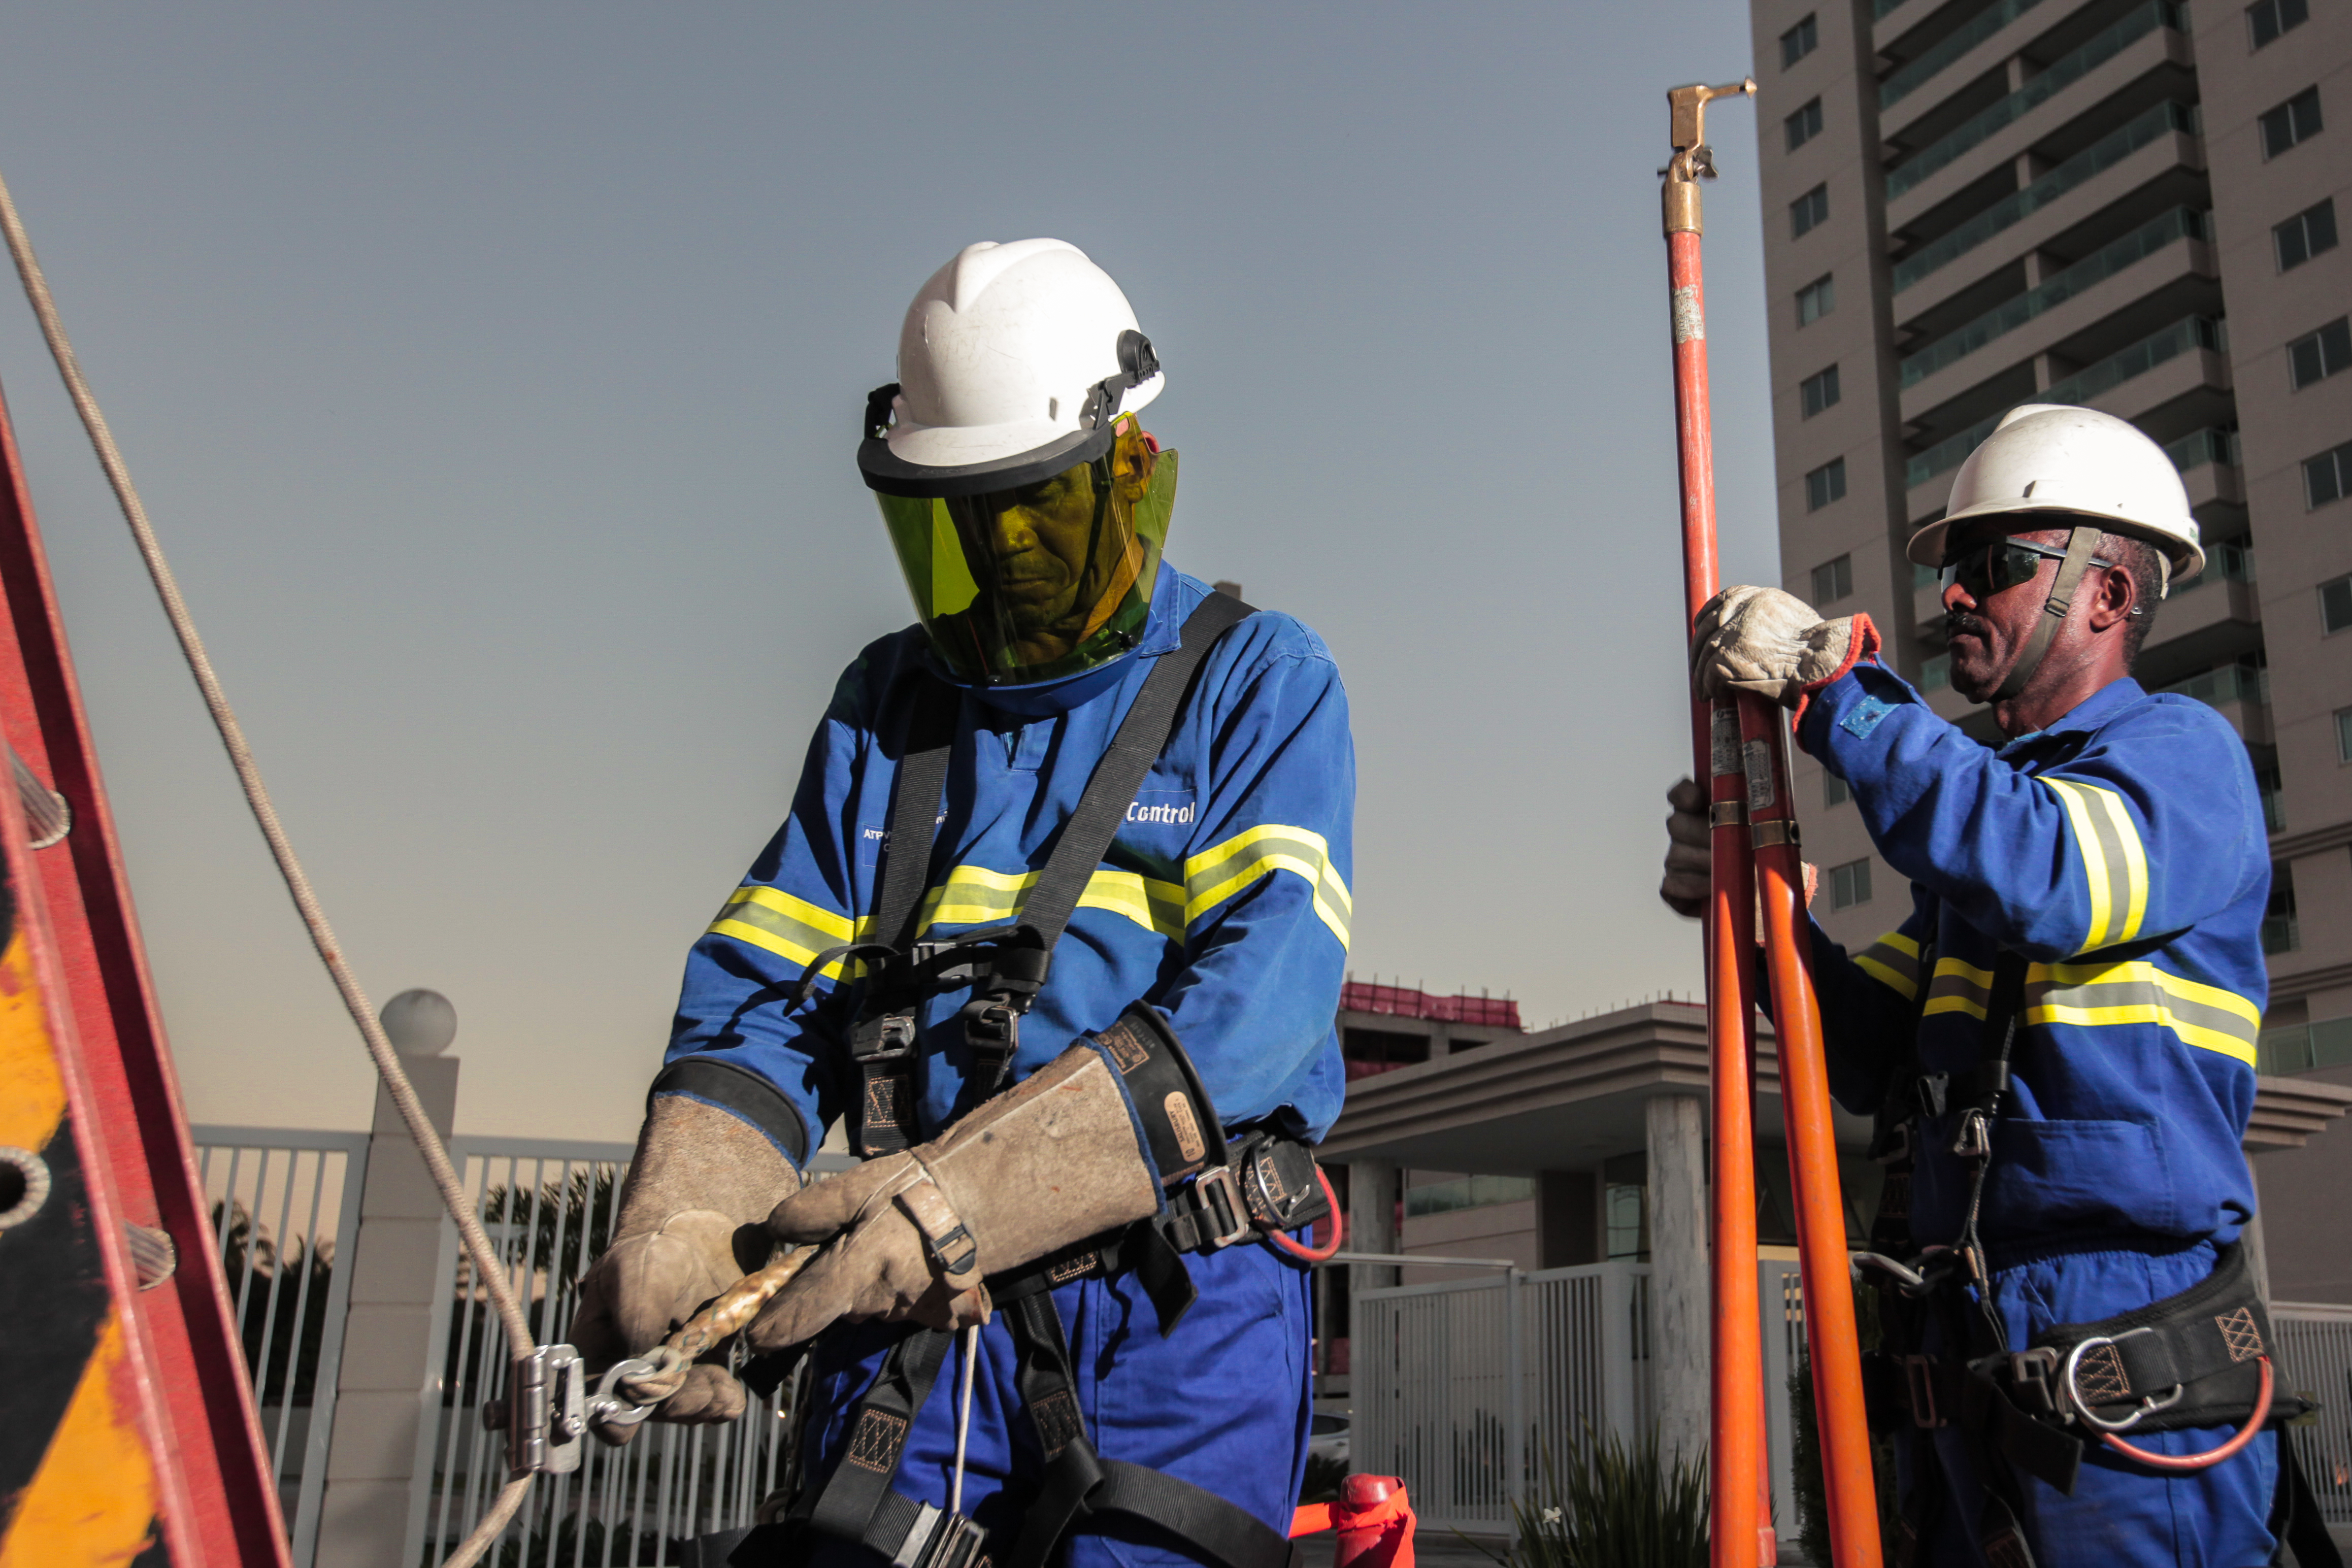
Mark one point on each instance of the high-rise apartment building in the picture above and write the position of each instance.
(2130, 205)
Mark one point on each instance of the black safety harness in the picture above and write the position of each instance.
(1233, 1188)
(2190, 1360)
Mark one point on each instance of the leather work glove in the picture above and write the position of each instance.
(1049, 1163)
(699, 1183)
(1764, 641)
(1690, 856)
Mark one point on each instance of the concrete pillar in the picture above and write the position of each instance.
(2258, 1256)
(1373, 1195)
(1678, 1274)
(387, 1383)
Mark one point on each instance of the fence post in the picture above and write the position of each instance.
(1515, 1398)
(387, 1385)
(1618, 1370)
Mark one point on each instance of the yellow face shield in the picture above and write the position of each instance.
(1045, 581)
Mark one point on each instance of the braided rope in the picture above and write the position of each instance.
(487, 1267)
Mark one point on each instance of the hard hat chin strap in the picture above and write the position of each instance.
(2080, 543)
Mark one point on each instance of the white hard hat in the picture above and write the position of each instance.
(1013, 363)
(2046, 457)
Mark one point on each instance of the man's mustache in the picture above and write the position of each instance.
(1960, 621)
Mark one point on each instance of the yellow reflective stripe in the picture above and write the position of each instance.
(1216, 874)
(974, 896)
(2206, 1017)
(1902, 985)
(1893, 961)
(2135, 857)
(2147, 1012)
(2094, 860)
(1958, 987)
(789, 927)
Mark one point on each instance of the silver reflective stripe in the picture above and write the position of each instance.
(2203, 1016)
(1960, 988)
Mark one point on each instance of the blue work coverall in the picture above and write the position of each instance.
(1223, 901)
(2123, 852)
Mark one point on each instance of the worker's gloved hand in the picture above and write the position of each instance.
(1690, 857)
(687, 1229)
(1053, 1161)
(1764, 641)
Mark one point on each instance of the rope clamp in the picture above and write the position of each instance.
(545, 1415)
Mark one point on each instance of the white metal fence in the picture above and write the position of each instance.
(1469, 1388)
(281, 1200)
(2316, 1361)
(548, 1206)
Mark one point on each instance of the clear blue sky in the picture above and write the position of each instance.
(492, 374)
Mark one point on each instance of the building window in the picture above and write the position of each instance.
(1834, 791)
(2344, 734)
(1819, 392)
(1935, 674)
(2335, 604)
(2328, 477)
(2280, 933)
(1799, 41)
(2269, 18)
(1467, 1191)
(1815, 300)
(2316, 356)
(1834, 579)
(2291, 123)
(1625, 1204)
(2305, 235)
(1804, 125)
(1824, 485)
(1850, 884)
(1810, 211)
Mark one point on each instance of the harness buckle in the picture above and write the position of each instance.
(1919, 1383)
(2033, 1371)
(892, 1039)
(1891, 1146)
(1975, 1139)
(2106, 1371)
(939, 1538)
(1211, 1188)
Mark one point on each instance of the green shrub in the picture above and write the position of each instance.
(1614, 1505)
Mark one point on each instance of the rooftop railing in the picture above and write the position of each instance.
(2190, 332)
(2181, 223)
(2063, 72)
(1906, 78)
(2091, 161)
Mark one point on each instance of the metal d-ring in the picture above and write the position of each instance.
(608, 1406)
(2148, 1407)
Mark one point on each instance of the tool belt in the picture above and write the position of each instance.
(2194, 1359)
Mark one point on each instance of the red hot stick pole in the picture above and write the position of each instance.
(1742, 1532)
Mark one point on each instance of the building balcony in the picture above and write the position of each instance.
(2138, 45)
(1984, 43)
(2149, 166)
(2158, 271)
(2186, 360)
(2239, 692)
(2212, 621)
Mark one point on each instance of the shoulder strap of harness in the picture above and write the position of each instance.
(882, 1040)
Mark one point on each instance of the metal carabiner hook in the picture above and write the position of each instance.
(2148, 1407)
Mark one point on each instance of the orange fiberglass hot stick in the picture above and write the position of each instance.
(1757, 867)
(1741, 1525)
(1847, 1479)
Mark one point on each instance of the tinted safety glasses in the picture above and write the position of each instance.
(1984, 569)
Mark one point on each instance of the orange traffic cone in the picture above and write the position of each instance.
(1374, 1518)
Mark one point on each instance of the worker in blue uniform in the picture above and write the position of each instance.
(1011, 1130)
(2059, 1037)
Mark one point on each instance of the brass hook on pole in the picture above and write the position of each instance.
(1694, 160)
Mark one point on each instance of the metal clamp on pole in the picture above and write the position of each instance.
(549, 1408)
